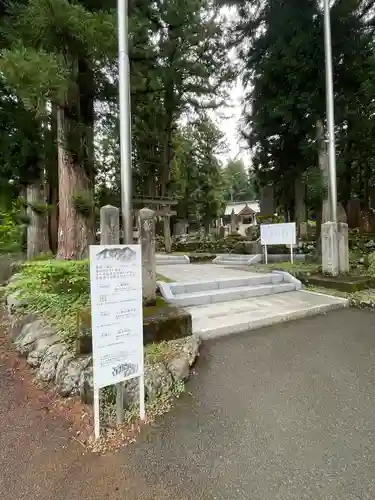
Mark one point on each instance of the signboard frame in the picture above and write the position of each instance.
(278, 234)
(116, 294)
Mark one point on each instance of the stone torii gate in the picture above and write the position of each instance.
(161, 208)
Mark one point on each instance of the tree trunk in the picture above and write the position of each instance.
(75, 232)
(323, 166)
(323, 161)
(37, 230)
(300, 207)
(52, 184)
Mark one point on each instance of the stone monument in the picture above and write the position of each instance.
(354, 213)
(146, 229)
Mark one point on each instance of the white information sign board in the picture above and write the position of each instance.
(278, 234)
(117, 319)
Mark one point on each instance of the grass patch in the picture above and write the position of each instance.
(294, 269)
(57, 290)
(160, 352)
(151, 310)
(160, 277)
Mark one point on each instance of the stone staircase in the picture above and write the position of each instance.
(185, 294)
(222, 300)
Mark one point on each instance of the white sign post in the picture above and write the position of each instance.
(278, 234)
(117, 319)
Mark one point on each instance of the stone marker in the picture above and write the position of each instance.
(354, 213)
(372, 197)
(343, 247)
(167, 233)
(233, 222)
(267, 202)
(179, 228)
(341, 214)
(109, 225)
(300, 207)
(222, 232)
(330, 260)
(367, 221)
(217, 227)
(146, 228)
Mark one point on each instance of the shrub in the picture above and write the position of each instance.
(371, 264)
(207, 244)
(10, 233)
(57, 290)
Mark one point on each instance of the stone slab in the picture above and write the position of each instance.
(222, 283)
(238, 316)
(167, 259)
(229, 294)
(237, 259)
(200, 272)
(343, 283)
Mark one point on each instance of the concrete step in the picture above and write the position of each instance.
(168, 259)
(237, 259)
(234, 256)
(230, 294)
(225, 283)
(238, 316)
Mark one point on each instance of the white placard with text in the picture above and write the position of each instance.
(278, 234)
(116, 309)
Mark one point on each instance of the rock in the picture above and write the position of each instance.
(86, 385)
(14, 301)
(370, 244)
(191, 349)
(15, 277)
(131, 392)
(41, 345)
(29, 334)
(68, 374)
(179, 368)
(52, 356)
(362, 260)
(17, 322)
(158, 381)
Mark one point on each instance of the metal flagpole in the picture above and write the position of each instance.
(330, 112)
(125, 149)
(125, 121)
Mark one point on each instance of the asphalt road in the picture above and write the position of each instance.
(287, 412)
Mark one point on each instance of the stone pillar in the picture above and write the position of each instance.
(167, 233)
(233, 222)
(146, 229)
(217, 227)
(354, 213)
(109, 225)
(330, 259)
(343, 247)
(326, 213)
(267, 202)
(372, 197)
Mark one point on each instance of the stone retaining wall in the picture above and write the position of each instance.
(72, 375)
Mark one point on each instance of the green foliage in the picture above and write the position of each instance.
(197, 179)
(210, 244)
(270, 219)
(83, 203)
(282, 51)
(238, 182)
(10, 233)
(58, 290)
(371, 264)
